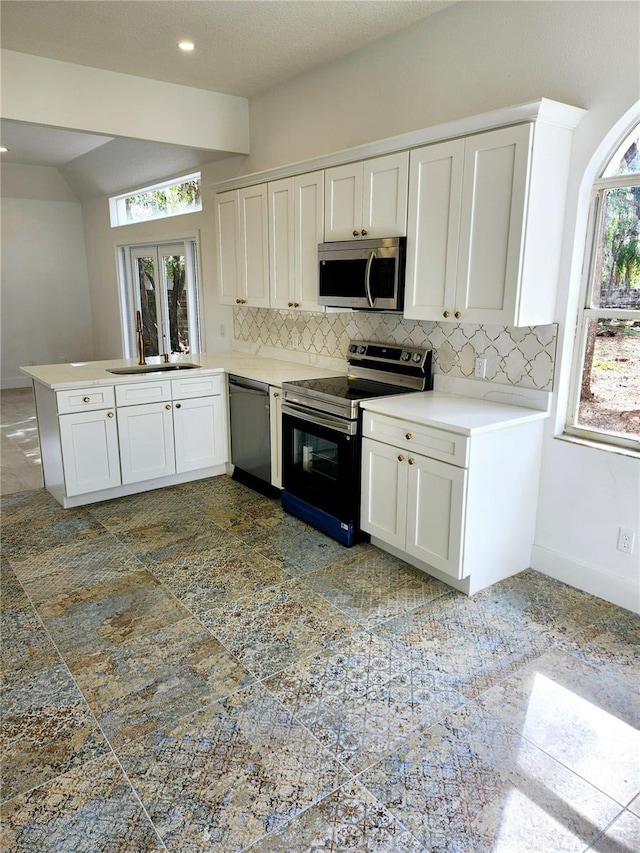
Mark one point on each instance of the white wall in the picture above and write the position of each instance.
(46, 313)
(472, 58)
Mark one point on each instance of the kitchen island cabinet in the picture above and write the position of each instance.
(450, 485)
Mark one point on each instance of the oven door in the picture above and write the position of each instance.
(321, 461)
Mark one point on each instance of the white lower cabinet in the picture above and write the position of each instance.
(165, 431)
(89, 442)
(415, 504)
(146, 441)
(200, 434)
(463, 508)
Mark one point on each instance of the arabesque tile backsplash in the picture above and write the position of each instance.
(522, 357)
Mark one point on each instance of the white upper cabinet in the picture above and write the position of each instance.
(367, 199)
(296, 221)
(485, 223)
(243, 247)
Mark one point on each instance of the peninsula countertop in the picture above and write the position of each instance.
(59, 377)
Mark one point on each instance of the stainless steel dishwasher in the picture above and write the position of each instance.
(250, 440)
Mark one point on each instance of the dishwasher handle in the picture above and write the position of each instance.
(240, 383)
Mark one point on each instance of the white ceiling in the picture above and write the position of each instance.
(243, 47)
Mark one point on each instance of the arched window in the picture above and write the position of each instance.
(605, 399)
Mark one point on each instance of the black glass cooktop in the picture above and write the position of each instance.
(348, 387)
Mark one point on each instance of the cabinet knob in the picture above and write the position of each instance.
(109, 414)
(400, 457)
(412, 461)
(86, 399)
(276, 393)
(408, 436)
(296, 304)
(178, 405)
(364, 232)
(290, 304)
(445, 314)
(355, 233)
(168, 406)
(457, 315)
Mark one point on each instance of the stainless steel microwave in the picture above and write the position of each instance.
(367, 275)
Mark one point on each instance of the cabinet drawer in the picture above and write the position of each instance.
(85, 399)
(135, 393)
(197, 386)
(434, 443)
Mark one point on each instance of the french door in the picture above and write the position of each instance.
(161, 283)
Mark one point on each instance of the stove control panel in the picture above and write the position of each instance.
(387, 354)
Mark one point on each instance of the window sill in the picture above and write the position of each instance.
(599, 445)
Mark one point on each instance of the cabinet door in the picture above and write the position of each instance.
(436, 513)
(89, 451)
(383, 505)
(146, 442)
(309, 231)
(275, 432)
(254, 246)
(435, 190)
(281, 195)
(384, 196)
(200, 433)
(228, 247)
(343, 202)
(494, 195)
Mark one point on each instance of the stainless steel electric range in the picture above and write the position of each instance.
(321, 432)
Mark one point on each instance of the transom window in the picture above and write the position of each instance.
(605, 400)
(170, 198)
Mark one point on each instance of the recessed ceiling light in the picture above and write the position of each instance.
(186, 45)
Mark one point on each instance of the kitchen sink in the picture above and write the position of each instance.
(152, 368)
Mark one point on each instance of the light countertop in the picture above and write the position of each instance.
(88, 373)
(463, 415)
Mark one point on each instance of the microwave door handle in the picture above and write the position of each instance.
(367, 278)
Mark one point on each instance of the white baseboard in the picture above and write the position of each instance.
(591, 579)
(15, 382)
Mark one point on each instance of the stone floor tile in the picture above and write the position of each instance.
(471, 784)
(25, 646)
(27, 531)
(100, 617)
(582, 717)
(151, 681)
(622, 836)
(90, 809)
(228, 774)
(274, 627)
(348, 821)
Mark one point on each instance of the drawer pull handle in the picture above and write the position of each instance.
(412, 461)
(400, 457)
(178, 405)
(86, 399)
(109, 414)
(408, 436)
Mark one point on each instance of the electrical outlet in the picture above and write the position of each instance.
(626, 540)
(480, 369)
(295, 340)
(223, 331)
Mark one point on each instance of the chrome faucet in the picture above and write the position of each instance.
(140, 338)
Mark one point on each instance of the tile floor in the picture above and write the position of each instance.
(192, 670)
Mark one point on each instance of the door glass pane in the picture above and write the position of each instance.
(147, 286)
(174, 269)
(617, 265)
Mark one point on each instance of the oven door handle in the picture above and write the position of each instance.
(320, 419)
(367, 277)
